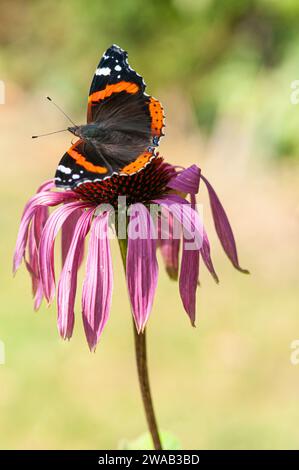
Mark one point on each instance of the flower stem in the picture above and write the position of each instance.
(141, 361)
(142, 368)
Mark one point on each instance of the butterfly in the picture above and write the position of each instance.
(124, 126)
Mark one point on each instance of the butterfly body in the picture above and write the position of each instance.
(87, 131)
(124, 126)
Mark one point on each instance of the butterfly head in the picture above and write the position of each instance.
(87, 131)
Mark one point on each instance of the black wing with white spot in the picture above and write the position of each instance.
(113, 68)
(82, 163)
(117, 98)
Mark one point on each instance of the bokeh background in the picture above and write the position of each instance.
(223, 71)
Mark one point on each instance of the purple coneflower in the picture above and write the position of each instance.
(89, 208)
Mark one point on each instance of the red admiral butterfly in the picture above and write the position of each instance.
(124, 126)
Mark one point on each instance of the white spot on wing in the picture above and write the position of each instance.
(64, 169)
(75, 176)
(103, 71)
(118, 68)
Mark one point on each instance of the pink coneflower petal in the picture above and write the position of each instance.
(67, 285)
(170, 254)
(46, 249)
(38, 297)
(32, 268)
(188, 281)
(98, 282)
(189, 274)
(32, 264)
(44, 198)
(170, 247)
(34, 235)
(142, 266)
(223, 228)
(205, 252)
(46, 186)
(67, 231)
(38, 222)
(187, 181)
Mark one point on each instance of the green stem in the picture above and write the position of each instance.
(142, 368)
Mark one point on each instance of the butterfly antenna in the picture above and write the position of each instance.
(61, 110)
(48, 133)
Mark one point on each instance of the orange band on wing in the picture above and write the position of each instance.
(137, 164)
(128, 87)
(81, 160)
(157, 116)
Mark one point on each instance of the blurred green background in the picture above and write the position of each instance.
(223, 70)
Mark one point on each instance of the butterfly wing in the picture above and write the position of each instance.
(81, 163)
(113, 75)
(117, 97)
(125, 128)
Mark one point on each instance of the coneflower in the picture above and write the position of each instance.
(154, 208)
